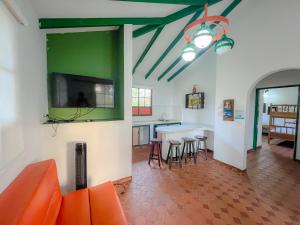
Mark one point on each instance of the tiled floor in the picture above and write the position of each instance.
(211, 193)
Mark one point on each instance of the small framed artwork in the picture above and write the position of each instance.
(228, 110)
(194, 101)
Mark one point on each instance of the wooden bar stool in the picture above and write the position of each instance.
(202, 140)
(189, 151)
(155, 152)
(174, 153)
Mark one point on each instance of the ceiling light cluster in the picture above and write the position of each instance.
(205, 36)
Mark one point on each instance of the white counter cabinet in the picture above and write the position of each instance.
(177, 132)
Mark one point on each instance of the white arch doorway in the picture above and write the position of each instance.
(280, 79)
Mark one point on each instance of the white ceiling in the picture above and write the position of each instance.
(100, 8)
(105, 8)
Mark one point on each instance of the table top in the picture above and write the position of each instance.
(183, 128)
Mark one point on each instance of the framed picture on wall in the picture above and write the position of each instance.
(194, 101)
(228, 110)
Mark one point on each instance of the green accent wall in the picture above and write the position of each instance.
(97, 54)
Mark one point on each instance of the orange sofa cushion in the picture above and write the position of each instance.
(75, 209)
(105, 206)
(33, 198)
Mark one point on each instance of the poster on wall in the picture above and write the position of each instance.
(194, 101)
(239, 114)
(228, 110)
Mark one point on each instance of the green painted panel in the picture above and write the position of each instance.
(256, 115)
(97, 54)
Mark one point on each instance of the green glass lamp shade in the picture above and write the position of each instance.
(224, 45)
(189, 53)
(203, 36)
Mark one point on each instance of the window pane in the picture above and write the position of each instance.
(109, 101)
(148, 102)
(141, 92)
(135, 102)
(135, 92)
(100, 100)
(109, 89)
(99, 88)
(141, 102)
(148, 93)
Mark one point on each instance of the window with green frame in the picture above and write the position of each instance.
(141, 102)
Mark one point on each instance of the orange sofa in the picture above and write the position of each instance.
(34, 198)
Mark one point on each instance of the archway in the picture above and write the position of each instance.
(279, 78)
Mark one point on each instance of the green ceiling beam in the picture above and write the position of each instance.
(171, 18)
(169, 68)
(151, 42)
(225, 13)
(172, 44)
(166, 20)
(50, 23)
(144, 30)
(179, 2)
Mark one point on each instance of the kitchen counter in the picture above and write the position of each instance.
(183, 128)
(153, 122)
(178, 132)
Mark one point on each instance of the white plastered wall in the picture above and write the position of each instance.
(22, 91)
(257, 54)
(108, 143)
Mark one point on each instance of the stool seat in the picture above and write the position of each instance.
(202, 138)
(155, 151)
(201, 141)
(189, 150)
(174, 142)
(157, 140)
(174, 153)
(188, 139)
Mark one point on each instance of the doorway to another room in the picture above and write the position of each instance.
(276, 120)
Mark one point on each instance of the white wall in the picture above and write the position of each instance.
(108, 143)
(202, 73)
(281, 78)
(22, 92)
(257, 54)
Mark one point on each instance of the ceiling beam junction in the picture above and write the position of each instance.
(149, 45)
(171, 18)
(225, 13)
(172, 44)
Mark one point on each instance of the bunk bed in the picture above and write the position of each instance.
(282, 122)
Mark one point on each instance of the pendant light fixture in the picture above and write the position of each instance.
(224, 45)
(205, 36)
(189, 53)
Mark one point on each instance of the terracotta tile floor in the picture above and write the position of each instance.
(211, 193)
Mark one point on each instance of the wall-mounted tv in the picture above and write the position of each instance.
(76, 91)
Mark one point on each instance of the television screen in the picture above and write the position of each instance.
(75, 91)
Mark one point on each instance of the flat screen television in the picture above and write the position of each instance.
(76, 91)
